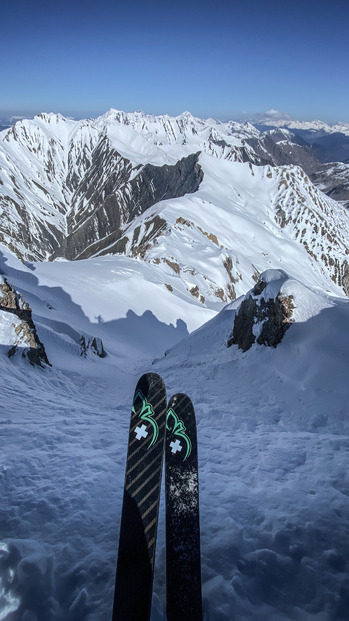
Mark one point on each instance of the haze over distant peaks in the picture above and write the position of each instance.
(274, 118)
(269, 115)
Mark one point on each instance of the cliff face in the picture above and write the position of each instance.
(121, 199)
(264, 315)
(21, 331)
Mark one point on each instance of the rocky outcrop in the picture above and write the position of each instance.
(25, 335)
(262, 317)
(92, 345)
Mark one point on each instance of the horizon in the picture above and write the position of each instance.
(216, 60)
(257, 118)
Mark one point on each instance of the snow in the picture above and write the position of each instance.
(272, 432)
(278, 119)
(272, 423)
(237, 203)
(8, 323)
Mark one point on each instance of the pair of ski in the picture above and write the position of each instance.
(157, 429)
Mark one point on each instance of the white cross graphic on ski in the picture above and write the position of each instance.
(141, 432)
(176, 446)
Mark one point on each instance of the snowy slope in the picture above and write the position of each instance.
(41, 161)
(273, 444)
(273, 432)
(158, 139)
(272, 423)
(242, 220)
(99, 297)
(67, 186)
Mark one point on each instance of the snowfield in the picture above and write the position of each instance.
(272, 422)
(272, 431)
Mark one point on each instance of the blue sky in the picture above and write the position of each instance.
(214, 58)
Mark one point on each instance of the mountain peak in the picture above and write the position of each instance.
(69, 179)
(186, 115)
(50, 117)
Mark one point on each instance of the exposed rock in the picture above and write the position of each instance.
(98, 227)
(93, 345)
(8, 297)
(333, 179)
(282, 148)
(262, 318)
(345, 277)
(211, 236)
(228, 264)
(173, 265)
(324, 237)
(259, 287)
(154, 227)
(27, 339)
(182, 220)
(219, 293)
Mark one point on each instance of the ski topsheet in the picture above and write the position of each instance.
(183, 564)
(136, 555)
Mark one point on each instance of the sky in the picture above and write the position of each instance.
(221, 59)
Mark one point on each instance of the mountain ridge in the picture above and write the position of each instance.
(178, 276)
(72, 189)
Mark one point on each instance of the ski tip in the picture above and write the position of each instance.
(151, 377)
(178, 398)
(149, 381)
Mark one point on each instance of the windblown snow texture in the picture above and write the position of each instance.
(272, 423)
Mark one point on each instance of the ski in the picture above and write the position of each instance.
(183, 563)
(139, 518)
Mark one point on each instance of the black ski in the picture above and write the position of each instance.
(183, 563)
(136, 555)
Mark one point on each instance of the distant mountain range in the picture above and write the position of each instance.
(274, 118)
(328, 142)
(131, 183)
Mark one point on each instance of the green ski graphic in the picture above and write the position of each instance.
(183, 564)
(177, 427)
(141, 499)
(146, 414)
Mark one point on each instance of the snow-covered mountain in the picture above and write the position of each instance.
(327, 143)
(333, 178)
(126, 183)
(203, 253)
(274, 118)
(56, 174)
